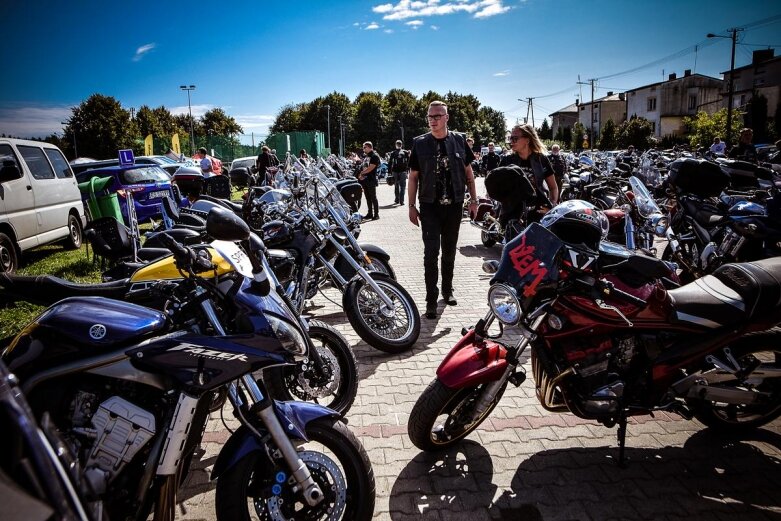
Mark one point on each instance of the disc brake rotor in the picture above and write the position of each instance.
(315, 385)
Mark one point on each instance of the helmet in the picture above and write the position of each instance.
(577, 222)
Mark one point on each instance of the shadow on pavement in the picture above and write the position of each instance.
(710, 477)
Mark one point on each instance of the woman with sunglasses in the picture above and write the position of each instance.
(529, 153)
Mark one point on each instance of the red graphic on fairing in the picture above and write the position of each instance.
(524, 262)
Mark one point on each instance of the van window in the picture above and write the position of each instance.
(61, 166)
(9, 165)
(36, 161)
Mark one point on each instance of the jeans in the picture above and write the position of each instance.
(400, 186)
(440, 225)
(370, 191)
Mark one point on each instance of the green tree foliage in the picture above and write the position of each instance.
(101, 127)
(217, 122)
(703, 127)
(637, 132)
(368, 122)
(609, 139)
(404, 110)
(578, 133)
(545, 131)
(494, 121)
(289, 118)
(756, 117)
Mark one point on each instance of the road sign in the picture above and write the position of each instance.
(126, 158)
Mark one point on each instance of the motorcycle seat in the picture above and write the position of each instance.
(705, 213)
(758, 283)
(45, 290)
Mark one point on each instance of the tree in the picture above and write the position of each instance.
(218, 123)
(369, 121)
(462, 111)
(609, 139)
(102, 127)
(289, 118)
(637, 132)
(545, 132)
(578, 133)
(703, 127)
(403, 110)
(494, 121)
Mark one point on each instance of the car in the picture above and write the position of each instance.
(241, 170)
(148, 184)
(39, 200)
(164, 162)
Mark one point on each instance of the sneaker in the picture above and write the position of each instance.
(431, 311)
(375, 218)
(449, 300)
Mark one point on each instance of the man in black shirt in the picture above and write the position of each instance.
(440, 169)
(559, 165)
(490, 160)
(745, 149)
(368, 180)
(398, 165)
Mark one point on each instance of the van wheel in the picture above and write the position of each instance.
(73, 242)
(9, 260)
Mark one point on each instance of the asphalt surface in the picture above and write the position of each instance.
(524, 463)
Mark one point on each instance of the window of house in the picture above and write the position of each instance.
(692, 101)
(595, 117)
(651, 104)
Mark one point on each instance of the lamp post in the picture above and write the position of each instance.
(341, 139)
(190, 109)
(328, 125)
(734, 38)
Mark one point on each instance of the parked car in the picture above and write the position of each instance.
(148, 184)
(241, 170)
(164, 162)
(39, 200)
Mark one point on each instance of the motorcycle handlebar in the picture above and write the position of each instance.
(609, 289)
(185, 257)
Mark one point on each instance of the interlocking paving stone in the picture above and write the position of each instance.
(524, 463)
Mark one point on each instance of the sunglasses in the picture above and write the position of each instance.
(513, 139)
(435, 117)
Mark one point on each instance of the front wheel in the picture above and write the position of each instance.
(762, 352)
(442, 416)
(73, 242)
(487, 236)
(338, 463)
(334, 385)
(390, 329)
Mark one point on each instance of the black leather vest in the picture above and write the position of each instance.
(427, 149)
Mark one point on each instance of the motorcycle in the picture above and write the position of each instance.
(608, 341)
(486, 219)
(130, 396)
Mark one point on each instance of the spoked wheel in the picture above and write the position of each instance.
(764, 356)
(255, 488)
(487, 236)
(334, 385)
(442, 416)
(390, 329)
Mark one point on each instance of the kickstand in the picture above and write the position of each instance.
(621, 439)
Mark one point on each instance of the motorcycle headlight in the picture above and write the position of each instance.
(288, 335)
(504, 303)
(660, 224)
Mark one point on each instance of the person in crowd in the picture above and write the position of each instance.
(205, 162)
(558, 163)
(745, 149)
(529, 154)
(303, 156)
(718, 146)
(369, 181)
(471, 144)
(398, 163)
(265, 161)
(440, 170)
(490, 160)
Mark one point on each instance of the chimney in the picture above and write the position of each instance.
(672, 77)
(687, 73)
(621, 96)
(610, 93)
(762, 55)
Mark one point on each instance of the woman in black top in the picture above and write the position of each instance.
(529, 153)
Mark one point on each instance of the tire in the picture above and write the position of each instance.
(247, 486)
(9, 258)
(764, 346)
(75, 235)
(437, 401)
(338, 385)
(381, 265)
(363, 308)
(486, 239)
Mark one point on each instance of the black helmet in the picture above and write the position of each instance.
(577, 222)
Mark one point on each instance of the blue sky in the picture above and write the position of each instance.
(251, 58)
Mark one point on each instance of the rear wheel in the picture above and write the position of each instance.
(487, 237)
(442, 416)
(9, 260)
(73, 242)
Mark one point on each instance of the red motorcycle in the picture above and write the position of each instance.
(608, 340)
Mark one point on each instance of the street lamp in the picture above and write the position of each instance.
(190, 108)
(329, 125)
(734, 38)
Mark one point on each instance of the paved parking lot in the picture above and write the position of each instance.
(524, 463)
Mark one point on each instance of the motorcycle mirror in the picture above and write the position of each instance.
(256, 243)
(224, 225)
(491, 266)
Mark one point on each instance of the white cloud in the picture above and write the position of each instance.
(406, 9)
(388, 31)
(141, 51)
(198, 110)
(414, 23)
(356, 24)
(33, 121)
(435, 27)
(257, 123)
(505, 72)
(372, 26)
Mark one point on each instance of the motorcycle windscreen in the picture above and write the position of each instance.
(530, 262)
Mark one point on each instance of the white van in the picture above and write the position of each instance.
(39, 200)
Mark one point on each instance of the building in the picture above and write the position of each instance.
(762, 75)
(666, 103)
(612, 106)
(564, 118)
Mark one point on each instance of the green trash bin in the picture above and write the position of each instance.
(104, 205)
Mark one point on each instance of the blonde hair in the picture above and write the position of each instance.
(437, 103)
(535, 145)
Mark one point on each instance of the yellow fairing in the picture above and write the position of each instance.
(165, 269)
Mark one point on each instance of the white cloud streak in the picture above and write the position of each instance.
(372, 26)
(505, 72)
(36, 122)
(435, 28)
(198, 110)
(406, 9)
(388, 31)
(143, 50)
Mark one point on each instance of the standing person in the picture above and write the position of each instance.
(745, 149)
(206, 162)
(303, 156)
(718, 147)
(559, 165)
(368, 180)
(491, 160)
(398, 164)
(528, 152)
(440, 168)
(265, 161)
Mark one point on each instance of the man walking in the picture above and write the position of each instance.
(558, 163)
(440, 167)
(368, 180)
(490, 160)
(398, 164)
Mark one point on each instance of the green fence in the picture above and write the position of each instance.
(312, 141)
(226, 148)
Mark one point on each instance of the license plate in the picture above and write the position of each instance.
(159, 194)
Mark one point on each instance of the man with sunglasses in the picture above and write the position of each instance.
(440, 169)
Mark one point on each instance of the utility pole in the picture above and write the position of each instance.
(329, 125)
(190, 108)
(734, 38)
(591, 132)
(529, 107)
(341, 150)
